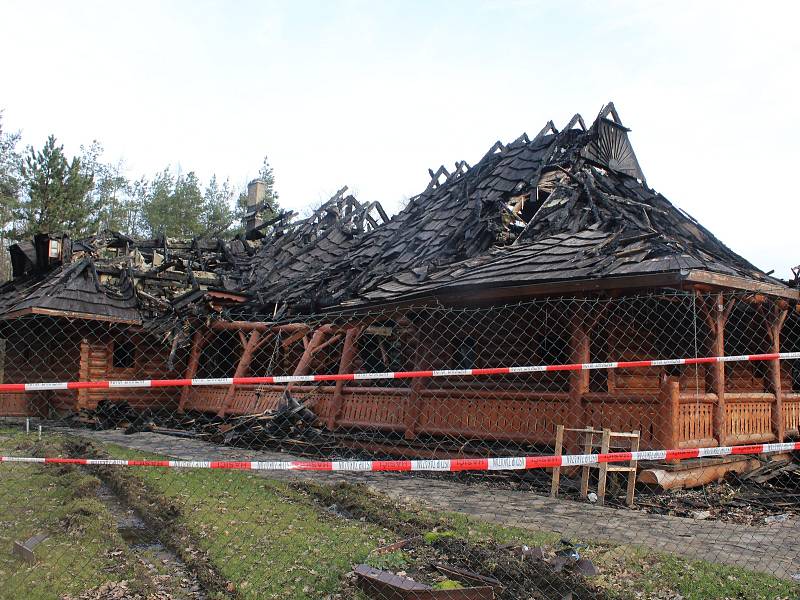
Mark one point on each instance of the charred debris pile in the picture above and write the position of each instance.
(291, 426)
(153, 281)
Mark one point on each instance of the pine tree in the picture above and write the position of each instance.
(133, 220)
(270, 195)
(218, 214)
(10, 164)
(111, 188)
(56, 194)
(173, 206)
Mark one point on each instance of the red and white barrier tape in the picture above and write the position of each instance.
(455, 464)
(147, 383)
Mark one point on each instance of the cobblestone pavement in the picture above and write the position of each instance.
(769, 548)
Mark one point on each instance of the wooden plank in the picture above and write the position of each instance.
(557, 470)
(740, 283)
(413, 405)
(631, 491)
(578, 380)
(603, 468)
(588, 445)
(70, 315)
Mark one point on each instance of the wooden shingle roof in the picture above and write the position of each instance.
(567, 205)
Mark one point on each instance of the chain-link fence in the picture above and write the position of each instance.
(384, 476)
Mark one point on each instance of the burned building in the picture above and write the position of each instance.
(549, 249)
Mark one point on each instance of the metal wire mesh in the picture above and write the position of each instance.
(706, 527)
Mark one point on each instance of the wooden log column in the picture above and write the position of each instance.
(775, 320)
(716, 312)
(414, 402)
(198, 341)
(304, 364)
(669, 426)
(579, 344)
(83, 375)
(345, 366)
(250, 344)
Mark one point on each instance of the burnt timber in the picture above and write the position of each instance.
(562, 213)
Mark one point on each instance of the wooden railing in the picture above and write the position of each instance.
(669, 418)
(791, 413)
(511, 415)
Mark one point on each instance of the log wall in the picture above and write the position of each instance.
(149, 362)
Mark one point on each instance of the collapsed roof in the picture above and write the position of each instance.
(566, 207)
(112, 277)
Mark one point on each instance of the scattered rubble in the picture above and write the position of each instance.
(292, 425)
(437, 561)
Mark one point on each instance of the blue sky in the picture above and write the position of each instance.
(372, 94)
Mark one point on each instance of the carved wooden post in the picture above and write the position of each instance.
(242, 368)
(670, 420)
(414, 401)
(716, 314)
(775, 323)
(578, 380)
(198, 341)
(304, 364)
(345, 366)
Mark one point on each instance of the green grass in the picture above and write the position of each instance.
(273, 539)
(82, 549)
(698, 580)
(269, 540)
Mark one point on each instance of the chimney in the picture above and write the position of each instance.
(255, 192)
(51, 250)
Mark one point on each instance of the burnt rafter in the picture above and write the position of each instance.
(549, 128)
(576, 119)
(436, 177)
(609, 110)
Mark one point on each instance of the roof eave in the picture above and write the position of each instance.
(67, 314)
(674, 279)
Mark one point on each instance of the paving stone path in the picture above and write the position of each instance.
(769, 548)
